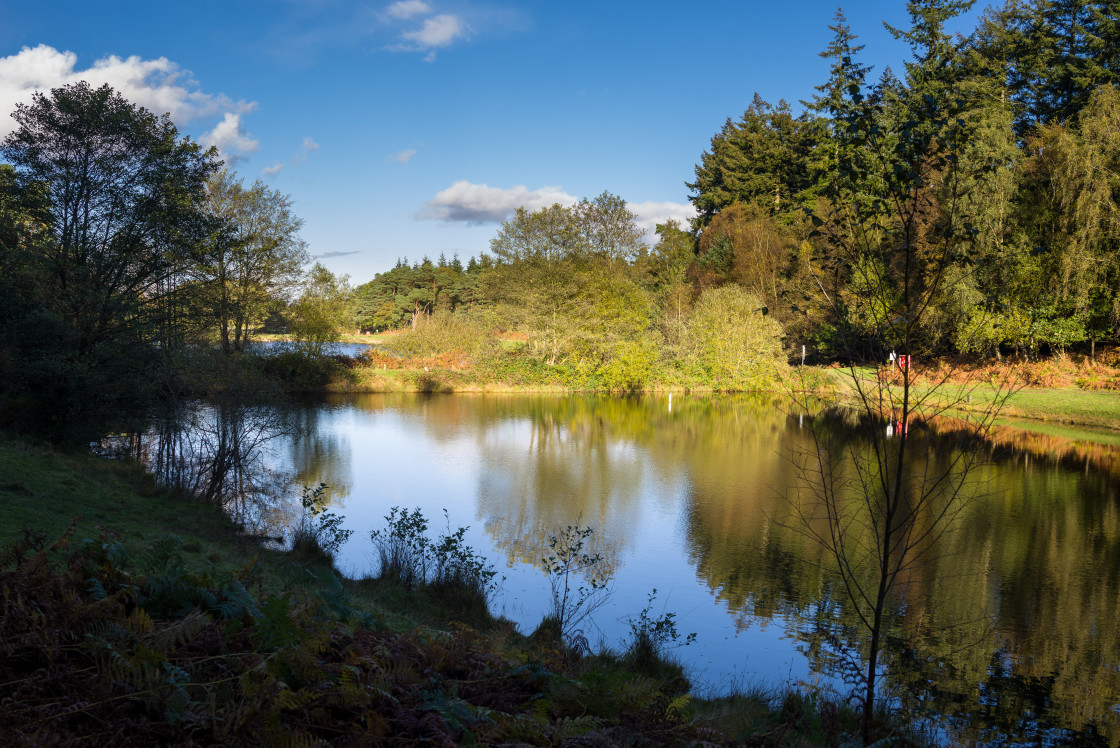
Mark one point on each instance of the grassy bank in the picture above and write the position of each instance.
(135, 617)
(1042, 396)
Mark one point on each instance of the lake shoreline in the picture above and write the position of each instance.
(60, 499)
(1068, 405)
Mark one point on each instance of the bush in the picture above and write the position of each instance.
(301, 372)
(449, 566)
(650, 638)
(577, 582)
(443, 332)
(630, 366)
(319, 534)
(734, 341)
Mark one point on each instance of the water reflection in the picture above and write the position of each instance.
(1007, 626)
(318, 455)
(218, 452)
(227, 453)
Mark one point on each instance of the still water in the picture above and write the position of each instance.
(1008, 629)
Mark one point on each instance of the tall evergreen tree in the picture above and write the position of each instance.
(763, 159)
(837, 102)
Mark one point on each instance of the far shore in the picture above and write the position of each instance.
(1037, 408)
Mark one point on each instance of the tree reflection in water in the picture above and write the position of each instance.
(1013, 629)
(218, 452)
(1011, 626)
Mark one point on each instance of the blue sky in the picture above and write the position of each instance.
(411, 128)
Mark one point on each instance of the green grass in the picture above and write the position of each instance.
(1028, 408)
(1070, 405)
(44, 491)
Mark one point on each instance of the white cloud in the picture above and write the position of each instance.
(437, 31)
(404, 156)
(231, 140)
(309, 147)
(406, 9)
(159, 85)
(650, 214)
(480, 203)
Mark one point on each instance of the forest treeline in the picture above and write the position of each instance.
(1007, 138)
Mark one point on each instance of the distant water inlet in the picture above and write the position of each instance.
(1008, 627)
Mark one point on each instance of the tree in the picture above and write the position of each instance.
(124, 192)
(1050, 55)
(763, 159)
(734, 340)
(668, 264)
(839, 99)
(879, 514)
(544, 260)
(120, 224)
(1074, 182)
(254, 255)
(321, 311)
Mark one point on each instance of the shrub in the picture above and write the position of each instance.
(734, 341)
(576, 580)
(650, 638)
(319, 534)
(406, 555)
(443, 332)
(299, 371)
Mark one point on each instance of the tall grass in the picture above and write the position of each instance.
(444, 333)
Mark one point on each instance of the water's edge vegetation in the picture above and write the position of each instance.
(138, 616)
(962, 219)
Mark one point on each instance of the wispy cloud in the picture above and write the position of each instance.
(159, 85)
(327, 255)
(297, 32)
(406, 9)
(404, 156)
(309, 147)
(437, 31)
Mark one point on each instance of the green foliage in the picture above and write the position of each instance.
(103, 212)
(406, 295)
(253, 258)
(300, 372)
(403, 547)
(317, 317)
(578, 581)
(649, 639)
(450, 567)
(763, 159)
(734, 341)
(319, 532)
(444, 333)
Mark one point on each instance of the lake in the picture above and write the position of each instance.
(1008, 630)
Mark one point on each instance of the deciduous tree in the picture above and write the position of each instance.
(121, 222)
